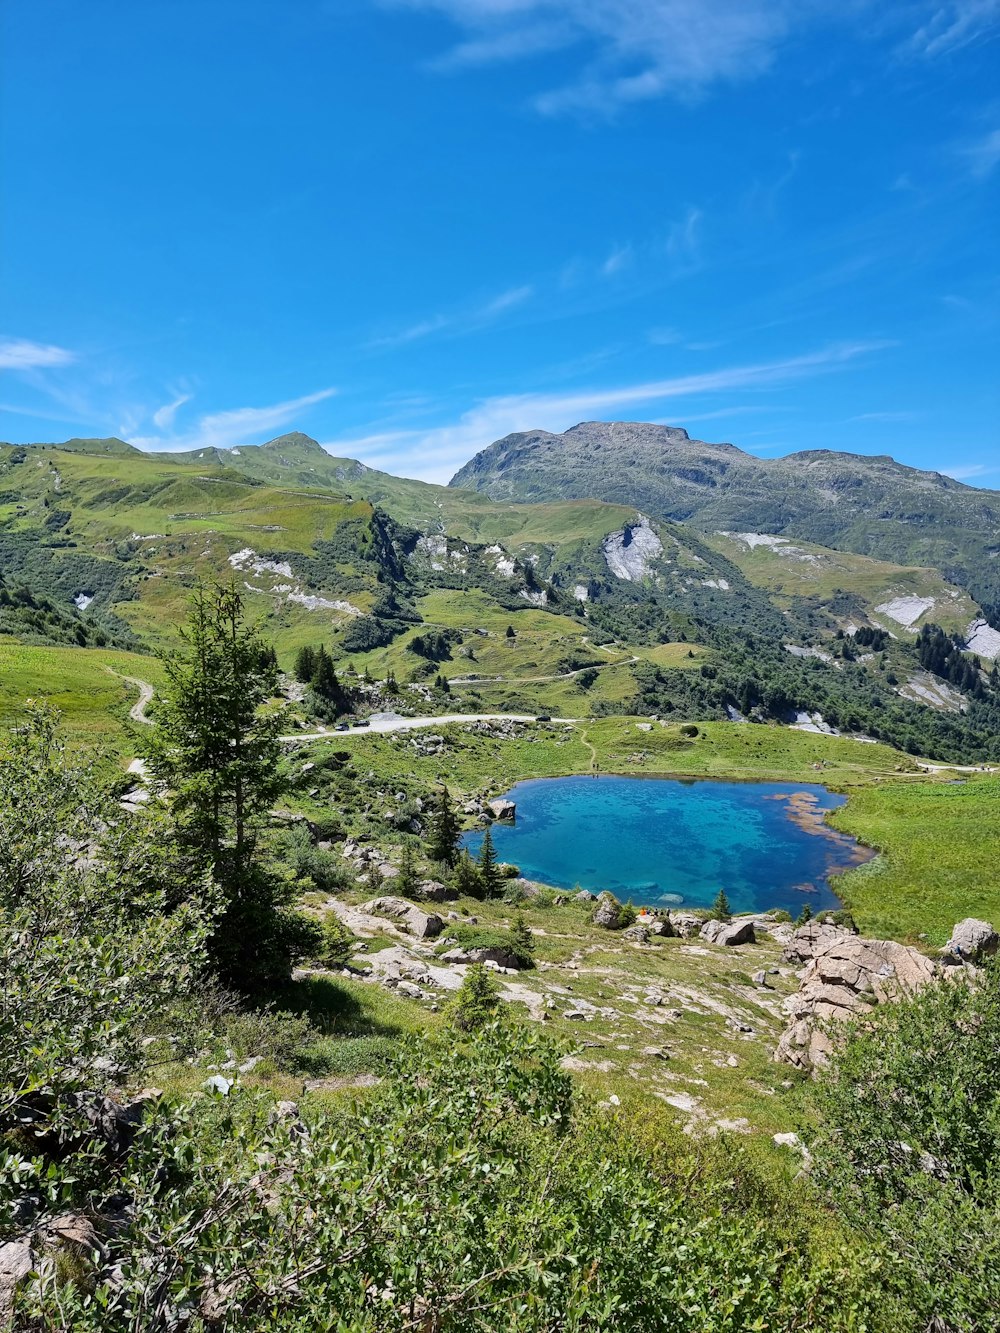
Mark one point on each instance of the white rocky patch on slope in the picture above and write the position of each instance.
(722, 584)
(779, 545)
(435, 549)
(540, 598)
(983, 639)
(505, 564)
(581, 592)
(905, 611)
(797, 651)
(630, 552)
(82, 600)
(927, 689)
(248, 561)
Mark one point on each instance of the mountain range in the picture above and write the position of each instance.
(684, 577)
(869, 505)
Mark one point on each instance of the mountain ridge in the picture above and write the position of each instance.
(869, 504)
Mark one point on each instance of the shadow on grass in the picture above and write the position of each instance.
(336, 1010)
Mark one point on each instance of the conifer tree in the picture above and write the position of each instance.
(305, 664)
(721, 910)
(521, 936)
(466, 877)
(477, 1001)
(215, 752)
(407, 880)
(442, 844)
(489, 876)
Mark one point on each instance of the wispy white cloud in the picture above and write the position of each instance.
(619, 259)
(20, 354)
(163, 417)
(240, 425)
(434, 453)
(629, 50)
(982, 156)
(886, 416)
(466, 321)
(964, 472)
(954, 24)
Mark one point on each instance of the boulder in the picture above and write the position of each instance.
(740, 931)
(422, 925)
(584, 896)
(686, 924)
(502, 809)
(971, 942)
(432, 891)
(494, 954)
(844, 975)
(410, 989)
(637, 934)
(607, 912)
(17, 1260)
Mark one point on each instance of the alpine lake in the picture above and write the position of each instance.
(668, 842)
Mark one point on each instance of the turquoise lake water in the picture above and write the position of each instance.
(668, 841)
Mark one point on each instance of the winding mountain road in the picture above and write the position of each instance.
(382, 725)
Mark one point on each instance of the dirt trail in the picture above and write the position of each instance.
(137, 712)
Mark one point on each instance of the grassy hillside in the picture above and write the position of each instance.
(88, 685)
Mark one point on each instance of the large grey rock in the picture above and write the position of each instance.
(844, 976)
(686, 924)
(740, 931)
(607, 911)
(433, 891)
(971, 941)
(422, 925)
(637, 934)
(17, 1259)
(502, 809)
(501, 957)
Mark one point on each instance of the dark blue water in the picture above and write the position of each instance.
(668, 841)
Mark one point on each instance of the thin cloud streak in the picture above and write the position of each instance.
(163, 417)
(238, 425)
(21, 354)
(434, 454)
(466, 322)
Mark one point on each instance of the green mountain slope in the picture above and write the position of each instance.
(872, 506)
(576, 606)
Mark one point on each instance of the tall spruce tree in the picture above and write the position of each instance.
(407, 881)
(442, 844)
(215, 751)
(305, 664)
(490, 879)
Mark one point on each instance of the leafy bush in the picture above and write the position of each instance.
(910, 1146)
(273, 1035)
(471, 1187)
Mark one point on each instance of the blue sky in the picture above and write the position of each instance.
(408, 227)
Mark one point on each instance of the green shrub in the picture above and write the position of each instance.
(477, 1001)
(909, 1151)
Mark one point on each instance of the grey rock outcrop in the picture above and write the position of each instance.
(971, 942)
(422, 925)
(502, 809)
(607, 912)
(844, 976)
(686, 924)
(740, 931)
(17, 1260)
